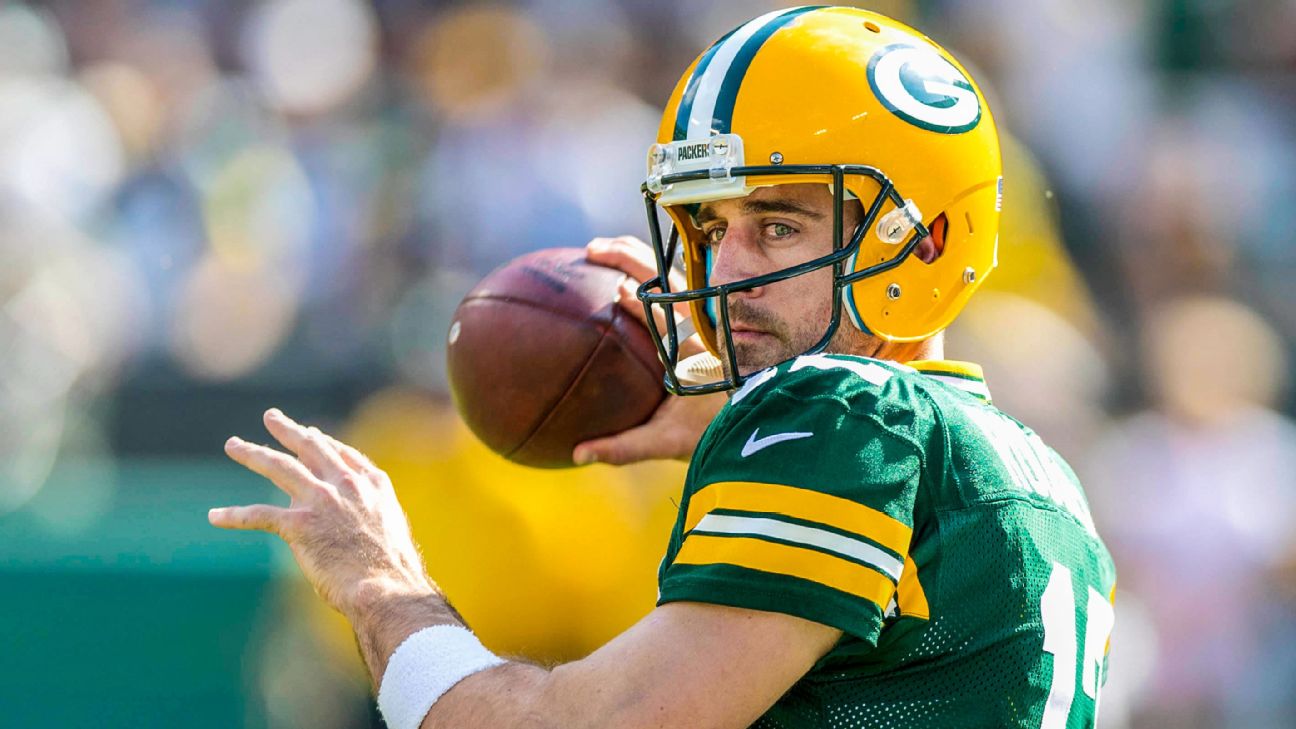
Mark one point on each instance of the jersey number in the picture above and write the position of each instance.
(1058, 611)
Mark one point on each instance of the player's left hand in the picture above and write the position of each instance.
(344, 525)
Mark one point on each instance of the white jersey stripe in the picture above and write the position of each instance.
(800, 534)
(872, 373)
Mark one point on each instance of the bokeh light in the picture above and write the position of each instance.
(31, 42)
(478, 60)
(230, 318)
(131, 100)
(59, 151)
(310, 55)
(1192, 342)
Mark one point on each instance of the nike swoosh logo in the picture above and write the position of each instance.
(754, 444)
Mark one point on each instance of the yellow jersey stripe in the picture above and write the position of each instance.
(910, 597)
(949, 367)
(783, 559)
(799, 503)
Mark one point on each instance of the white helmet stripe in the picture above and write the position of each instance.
(702, 111)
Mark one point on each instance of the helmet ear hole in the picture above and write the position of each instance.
(931, 247)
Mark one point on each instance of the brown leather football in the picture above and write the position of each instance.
(541, 357)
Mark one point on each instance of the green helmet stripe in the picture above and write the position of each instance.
(708, 100)
(722, 117)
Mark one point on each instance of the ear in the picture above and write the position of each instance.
(931, 247)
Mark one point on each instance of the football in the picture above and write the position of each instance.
(542, 357)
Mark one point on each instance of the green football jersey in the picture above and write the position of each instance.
(952, 547)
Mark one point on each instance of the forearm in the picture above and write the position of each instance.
(684, 664)
(523, 696)
(385, 618)
(504, 696)
(511, 696)
(633, 682)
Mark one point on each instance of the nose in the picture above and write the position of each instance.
(736, 258)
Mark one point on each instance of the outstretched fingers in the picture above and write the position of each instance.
(312, 447)
(355, 459)
(281, 469)
(257, 517)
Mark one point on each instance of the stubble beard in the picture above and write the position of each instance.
(785, 340)
(788, 341)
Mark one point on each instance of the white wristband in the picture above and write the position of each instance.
(425, 666)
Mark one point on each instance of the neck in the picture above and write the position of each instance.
(931, 348)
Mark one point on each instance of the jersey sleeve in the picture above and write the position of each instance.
(801, 502)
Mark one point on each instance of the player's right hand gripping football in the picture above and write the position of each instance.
(674, 430)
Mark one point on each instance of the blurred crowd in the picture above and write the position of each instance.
(211, 206)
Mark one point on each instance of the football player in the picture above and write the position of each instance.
(864, 540)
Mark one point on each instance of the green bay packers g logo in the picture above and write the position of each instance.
(924, 89)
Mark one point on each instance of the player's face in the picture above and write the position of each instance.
(771, 229)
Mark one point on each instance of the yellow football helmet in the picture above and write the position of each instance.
(859, 102)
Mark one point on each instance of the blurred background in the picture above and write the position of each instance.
(208, 207)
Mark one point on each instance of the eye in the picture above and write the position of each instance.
(779, 230)
(714, 235)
